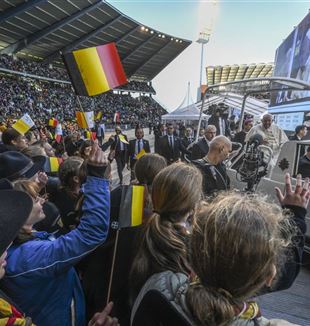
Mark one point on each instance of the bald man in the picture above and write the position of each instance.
(201, 148)
(212, 166)
(273, 136)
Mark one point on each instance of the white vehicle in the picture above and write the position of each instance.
(287, 162)
(239, 93)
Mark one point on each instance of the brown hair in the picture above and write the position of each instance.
(33, 151)
(148, 166)
(235, 246)
(86, 143)
(176, 192)
(69, 169)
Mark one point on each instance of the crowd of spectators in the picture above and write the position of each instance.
(43, 100)
(50, 71)
(138, 86)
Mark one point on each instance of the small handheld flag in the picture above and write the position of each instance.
(23, 124)
(95, 70)
(52, 164)
(117, 117)
(141, 153)
(98, 115)
(53, 122)
(58, 133)
(85, 120)
(90, 135)
(123, 139)
(132, 206)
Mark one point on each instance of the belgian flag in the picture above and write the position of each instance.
(95, 70)
(52, 164)
(132, 206)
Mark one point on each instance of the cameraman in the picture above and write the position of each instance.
(212, 167)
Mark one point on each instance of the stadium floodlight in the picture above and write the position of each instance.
(152, 32)
(142, 28)
(181, 41)
(172, 38)
(177, 40)
(163, 36)
(159, 35)
(204, 37)
(146, 29)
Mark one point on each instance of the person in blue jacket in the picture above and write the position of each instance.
(40, 277)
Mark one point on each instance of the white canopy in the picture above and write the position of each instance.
(188, 113)
(252, 106)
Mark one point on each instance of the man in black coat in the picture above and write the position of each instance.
(219, 120)
(171, 146)
(159, 131)
(201, 148)
(135, 147)
(213, 169)
(300, 132)
(304, 164)
(120, 148)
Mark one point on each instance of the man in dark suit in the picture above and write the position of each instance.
(213, 169)
(201, 148)
(219, 120)
(304, 164)
(300, 133)
(135, 147)
(159, 131)
(120, 148)
(171, 146)
(187, 140)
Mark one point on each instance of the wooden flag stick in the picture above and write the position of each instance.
(112, 267)
(80, 104)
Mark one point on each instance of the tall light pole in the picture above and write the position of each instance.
(204, 38)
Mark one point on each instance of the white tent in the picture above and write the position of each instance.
(187, 110)
(188, 113)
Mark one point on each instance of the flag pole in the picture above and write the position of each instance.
(112, 267)
(80, 104)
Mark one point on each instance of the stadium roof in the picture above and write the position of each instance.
(228, 73)
(42, 29)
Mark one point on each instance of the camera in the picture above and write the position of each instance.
(254, 165)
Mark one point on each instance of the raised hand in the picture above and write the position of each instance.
(298, 197)
(98, 158)
(102, 318)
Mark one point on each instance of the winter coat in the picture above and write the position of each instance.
(40, 277)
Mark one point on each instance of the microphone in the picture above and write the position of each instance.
(256, 140)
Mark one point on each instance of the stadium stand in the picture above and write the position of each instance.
(44, 99)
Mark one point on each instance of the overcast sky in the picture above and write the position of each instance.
(242, 32)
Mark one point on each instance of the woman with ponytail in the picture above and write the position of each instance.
(238, 247)
(176, 193)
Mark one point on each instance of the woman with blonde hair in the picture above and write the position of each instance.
(237, 248)
(176, 194)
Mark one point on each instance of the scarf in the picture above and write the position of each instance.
(10, 316)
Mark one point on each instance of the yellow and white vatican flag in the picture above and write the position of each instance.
(23, 124)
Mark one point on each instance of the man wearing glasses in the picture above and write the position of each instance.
(201, 148)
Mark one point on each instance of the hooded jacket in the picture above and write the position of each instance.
(40, 277)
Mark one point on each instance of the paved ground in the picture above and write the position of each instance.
(292, 304)
(126, 173)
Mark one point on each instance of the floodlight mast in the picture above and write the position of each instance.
(204, 37)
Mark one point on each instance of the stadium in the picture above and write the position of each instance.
(116, 209)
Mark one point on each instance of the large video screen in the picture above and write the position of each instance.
(293, 60)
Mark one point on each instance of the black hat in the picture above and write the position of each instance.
(15, 165)
(15, 208)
